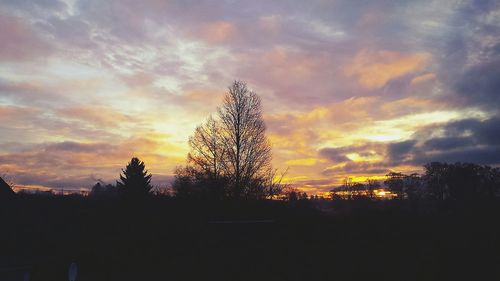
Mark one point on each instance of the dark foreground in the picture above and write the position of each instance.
(165, 239)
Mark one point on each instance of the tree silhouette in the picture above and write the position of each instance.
(371, 186)
(5, 189)
(207, 151)
(395, 182)
(230, 155)
(135, 181)
(247, 150)
(99, 189)
(461, 181)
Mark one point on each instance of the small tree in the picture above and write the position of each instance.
(135, 180)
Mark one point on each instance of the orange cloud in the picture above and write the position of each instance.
(423, 78)
(410, 105)
(375, 68)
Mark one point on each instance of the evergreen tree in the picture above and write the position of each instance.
(135, 179)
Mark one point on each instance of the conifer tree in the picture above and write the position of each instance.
(135, 179)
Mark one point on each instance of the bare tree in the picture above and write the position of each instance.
(248, 152)
(274, 184)
(207, 151)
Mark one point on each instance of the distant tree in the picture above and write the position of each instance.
(291, 193)
(412, 186)
(135, 180)
(435, 178)
(247, 150)
(162, 191)
(100, 189)
(460, 181)
(371, 186)
(97, 189)
(303, 196)
(395, 182)
(358, 190)
(490, 181)
(292, 196)
(346, 186)
(273, 184)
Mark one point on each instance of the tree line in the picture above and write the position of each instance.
(439, 181)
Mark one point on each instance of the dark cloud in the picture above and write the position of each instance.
(314, 182)
(468, 140)
(480, 84)
(468, 60)
(357, 168)
(399, 151)
(478, 155)
(447, 143)
(336, 154)
(484, 132)
(399, 85)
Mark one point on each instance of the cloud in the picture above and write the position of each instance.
(97, 116)
(467, 140)
(18, 41)
(446, 143)
(398, 151)
(374, 68)
(337, 154)
(71, 146)
(356, 168)
(302, 162)
(217, 32)
(480, 84)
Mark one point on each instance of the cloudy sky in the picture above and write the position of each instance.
(349, 88)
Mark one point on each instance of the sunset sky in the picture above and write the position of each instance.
(352, 88)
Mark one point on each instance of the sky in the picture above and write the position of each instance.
(349, 88)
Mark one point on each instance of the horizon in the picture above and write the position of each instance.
(348, 89)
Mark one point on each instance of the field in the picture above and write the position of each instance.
(168, 239)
